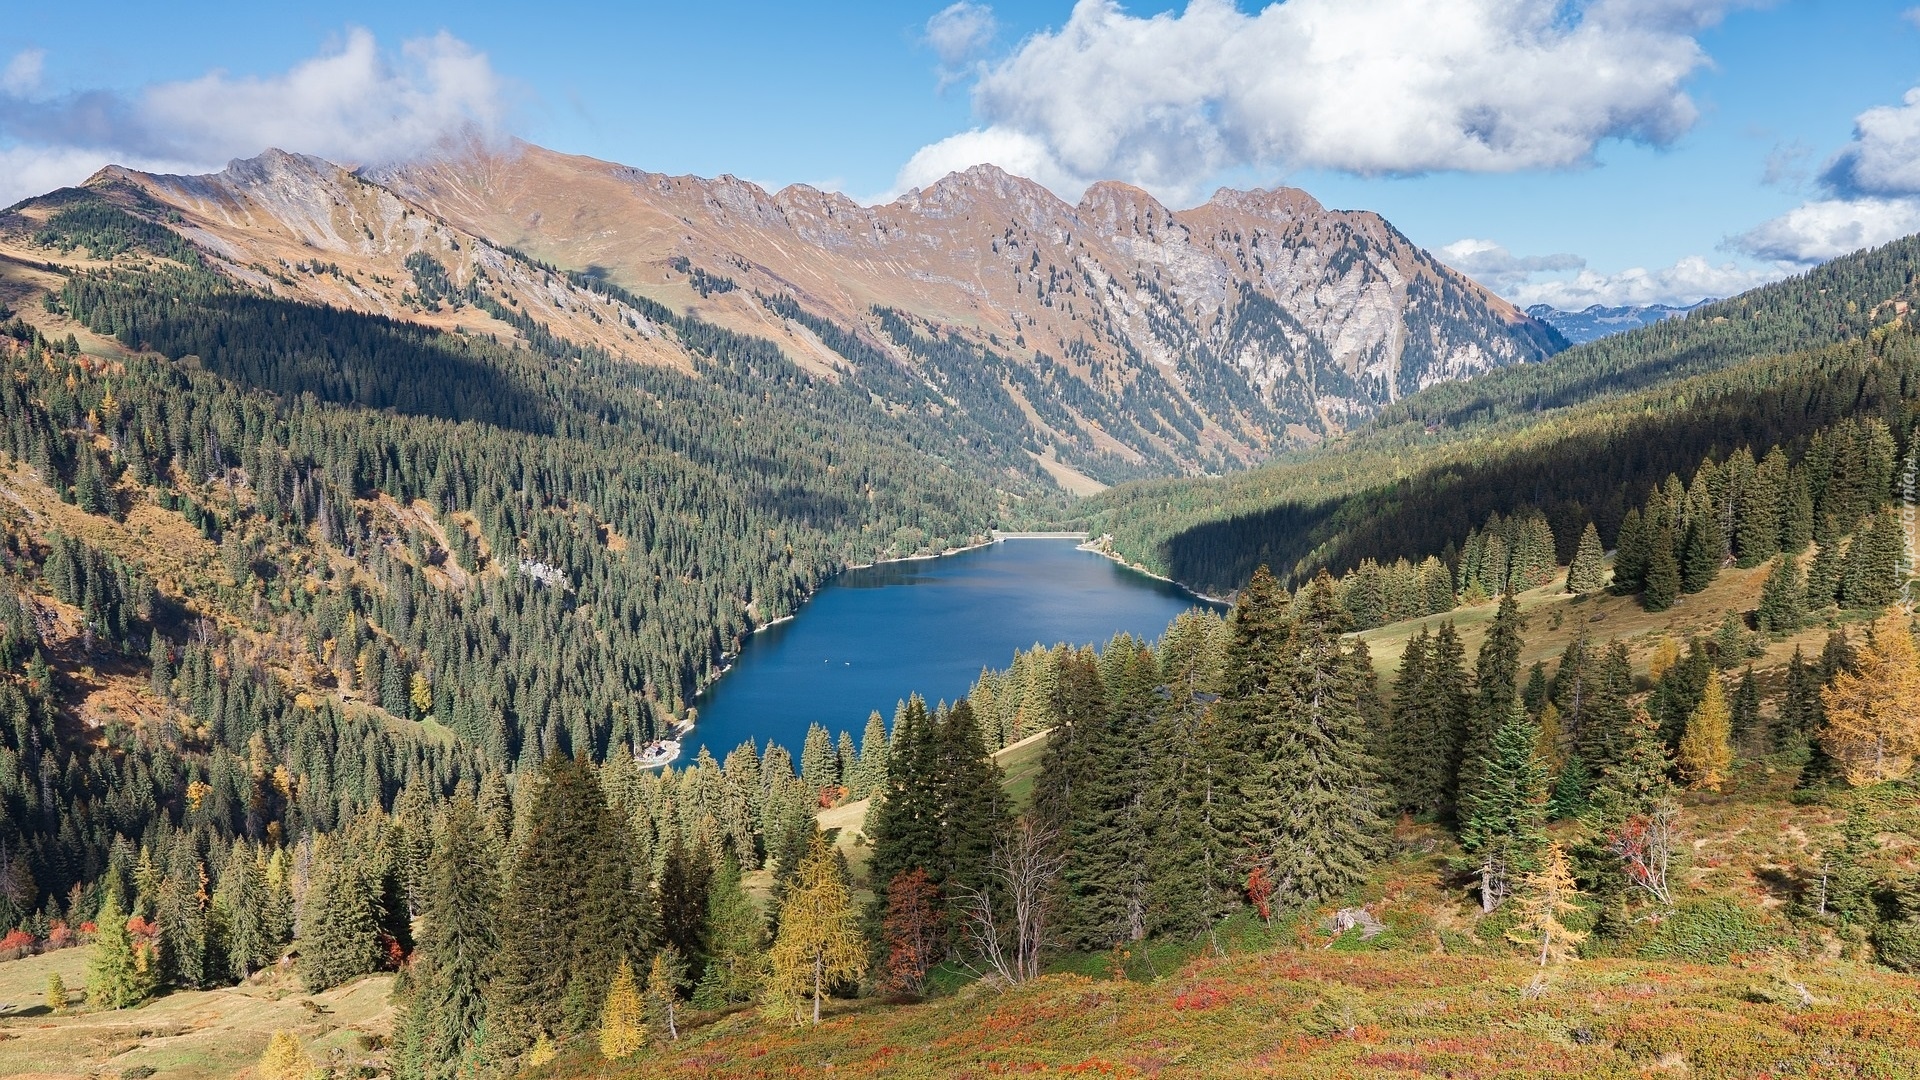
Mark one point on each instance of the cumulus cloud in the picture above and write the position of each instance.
(352, 103)
(960, 32)
(1372, 87)
(1870, 193)
(1827, 228)
(1566, 282)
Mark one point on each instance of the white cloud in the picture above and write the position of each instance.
(1870, 192)
(960, 32)
(1827, 228)
(1371, 87)
(1565, 281)
(352, 103)
(23, 72)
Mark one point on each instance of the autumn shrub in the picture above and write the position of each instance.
(16, 944)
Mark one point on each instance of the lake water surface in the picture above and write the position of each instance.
(872, 636)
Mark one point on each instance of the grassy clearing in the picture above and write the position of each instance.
(188, 1035)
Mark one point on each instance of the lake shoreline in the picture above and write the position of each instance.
(1098, 546)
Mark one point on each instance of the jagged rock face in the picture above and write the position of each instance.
(1110, 339)
(1261, 316)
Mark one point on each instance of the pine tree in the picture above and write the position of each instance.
(124, 970)
(1545, 895)
(1663, 582)
(819, 943)
(736, 943)
(1706, 749)
(1873, 711)
(1782, 598)
(1506, 812)
(665, 977)
(1588, 572)
(623, 1019)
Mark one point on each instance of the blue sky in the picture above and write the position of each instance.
(1561, 150)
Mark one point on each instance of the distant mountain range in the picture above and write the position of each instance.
(1596, 321)
(1111, 339)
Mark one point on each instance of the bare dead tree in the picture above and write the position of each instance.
(1644, 844)
(1006, 920)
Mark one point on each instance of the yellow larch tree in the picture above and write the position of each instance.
(284, 1059)
(623, 1022)
(1873, 711)
(819, 942)
(1706, 748)
(1545, 895)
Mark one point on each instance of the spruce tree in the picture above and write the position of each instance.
(1588, 572)
(1636, 782)
(573, 910)
(1745, 709)
(1701, 550)
(1506, 811)
(459, 946)
(1782, 598)
(1823, 576)
(1800, 715)
(736, 943)
(1398, 748)
(1663, 582)
(1496, 687)
(124, 971)
(1762, 503)
(685, 879)
(1315, 787)
(871, 773)
(340, 938)
(1633, 554)
(1870, 576)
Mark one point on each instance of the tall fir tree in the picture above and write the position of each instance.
(1662, 583)
(340, 936)
(736, 934)
(574, 908)
(1587, 573)
(1496, 684)
(1315, 787)
(459, 948)
(1782, 598)
(1506, 811)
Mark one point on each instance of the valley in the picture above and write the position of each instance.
(359, 527)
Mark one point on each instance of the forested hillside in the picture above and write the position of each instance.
(269, 565)
(1579, 437)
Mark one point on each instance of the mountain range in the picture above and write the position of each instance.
(1596, 321)
(1107, 340)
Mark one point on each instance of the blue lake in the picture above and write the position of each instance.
(872, 636)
